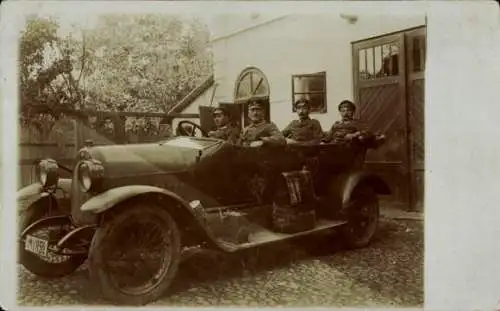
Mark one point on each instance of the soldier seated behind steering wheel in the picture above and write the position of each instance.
(225, 130)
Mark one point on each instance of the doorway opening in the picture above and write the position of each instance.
(252, 85)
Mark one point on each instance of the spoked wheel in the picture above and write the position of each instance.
(35, 249)
(363, 216)
(135, 255)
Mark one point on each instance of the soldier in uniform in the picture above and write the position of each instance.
(225, 130)
(304, 130)
(347, 129)
(260, 132)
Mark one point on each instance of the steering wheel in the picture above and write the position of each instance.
(182, 131)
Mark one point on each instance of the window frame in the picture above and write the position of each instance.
(375, 76)
(241, 76)
(320, 74)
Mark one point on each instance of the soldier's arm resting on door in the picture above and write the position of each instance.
(288, 129)
(329, 135)
(274, 136)
(363, 131)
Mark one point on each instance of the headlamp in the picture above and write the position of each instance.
(90, 175)
(47, 171)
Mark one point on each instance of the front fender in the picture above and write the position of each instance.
(29, 195)
(357, 178)
(181, 211)
(106, 200)
(342, 186)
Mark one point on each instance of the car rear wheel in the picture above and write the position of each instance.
(46, 265)
(135, 254)
(363, 216)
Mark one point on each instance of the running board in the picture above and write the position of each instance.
(262, 236)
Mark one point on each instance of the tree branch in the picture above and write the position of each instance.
(84, 54)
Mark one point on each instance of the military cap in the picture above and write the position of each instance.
(347, 103)
(256, 104)
(302, 101)
(221, 110)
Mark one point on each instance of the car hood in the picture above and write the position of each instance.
(143, 159)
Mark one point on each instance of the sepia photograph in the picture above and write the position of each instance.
(221, 158)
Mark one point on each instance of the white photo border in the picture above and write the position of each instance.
(462, 213)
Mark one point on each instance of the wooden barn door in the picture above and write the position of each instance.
(379, 82)
(389, 89)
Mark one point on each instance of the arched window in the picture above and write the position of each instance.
(251, 84)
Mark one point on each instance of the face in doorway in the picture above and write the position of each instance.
(220, 118)
(255, 113)
(108, 125)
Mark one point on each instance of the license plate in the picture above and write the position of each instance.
(36, 245)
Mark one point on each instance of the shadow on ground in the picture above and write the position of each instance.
(392, 265)
(390, 269)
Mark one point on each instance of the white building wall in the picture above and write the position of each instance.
(202, 100)
(300, 44)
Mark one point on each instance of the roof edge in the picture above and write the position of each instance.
(247, 28)
(193, 95)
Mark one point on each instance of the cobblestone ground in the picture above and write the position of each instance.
(310, 273)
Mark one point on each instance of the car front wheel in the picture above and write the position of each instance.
(134, 255)
(363, 216)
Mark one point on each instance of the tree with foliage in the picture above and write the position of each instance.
(143, 63)
(46, 83)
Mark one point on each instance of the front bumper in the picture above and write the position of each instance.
(71, 240)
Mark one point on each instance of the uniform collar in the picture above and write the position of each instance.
(225, 126)
(258, 123)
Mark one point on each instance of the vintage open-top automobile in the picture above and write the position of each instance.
(131, 209)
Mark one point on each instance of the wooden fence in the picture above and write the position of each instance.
(41, 139)
(62, 139)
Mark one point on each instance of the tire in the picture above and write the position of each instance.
(34, 263)
(364, 208)
(112, 235)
